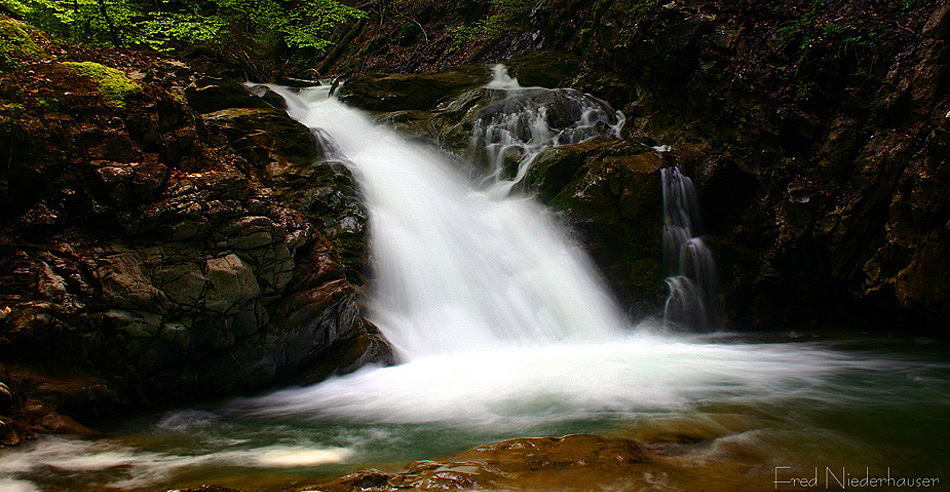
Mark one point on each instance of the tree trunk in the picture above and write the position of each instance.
(113, 31)
(339, 47)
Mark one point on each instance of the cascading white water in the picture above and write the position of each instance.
(692, 280)
(509, 134)
(456, 268)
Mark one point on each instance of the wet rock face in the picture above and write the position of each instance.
(395, 92)
(550, 69)
(207, 94)
(300, 170)
(610, 194)
(213, 287)
(822, 188)
(168, 272)
(845, 222)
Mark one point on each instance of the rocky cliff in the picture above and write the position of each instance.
(815, 131)
(823, 129)
(166, 237)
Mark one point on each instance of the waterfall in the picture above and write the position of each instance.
(693, 300)
(509, 134)
(523, 344)
(457, 268)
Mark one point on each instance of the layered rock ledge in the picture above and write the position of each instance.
(188, 244)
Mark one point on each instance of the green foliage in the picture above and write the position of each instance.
(803, 92)
(113, 84)
(17, 43)
(15, 6)
(819, 27)
(249, 25)
(96, 21)
(799, 30)
(311, 25)
(301, 24)
(160, 31)
(504, 15)
(11, 114)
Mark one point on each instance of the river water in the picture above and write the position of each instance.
(503, 329)
(749, 404)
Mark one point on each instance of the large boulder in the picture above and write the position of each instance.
(296, 164)
(213, 291)
(266, 138)
(396, 92)
(609, 192)
(551, 69)
(208, 94)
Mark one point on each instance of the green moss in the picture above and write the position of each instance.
(18, 42)
(49, 104)
(114, 85)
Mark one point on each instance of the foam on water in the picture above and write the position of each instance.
(134, 468)
(14, 485)
(510, 387)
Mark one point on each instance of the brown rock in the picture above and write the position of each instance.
(568, 463)
(395, 92)
(207, 94)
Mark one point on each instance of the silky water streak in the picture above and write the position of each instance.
(454, 268)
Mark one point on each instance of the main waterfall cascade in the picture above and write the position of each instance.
(456, 268)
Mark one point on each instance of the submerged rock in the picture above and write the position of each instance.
(540, 463)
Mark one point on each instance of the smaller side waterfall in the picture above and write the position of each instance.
(510, 133)
(693, 300)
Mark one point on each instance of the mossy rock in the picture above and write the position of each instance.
(554, 168)
(551, 69)
(400, 92)
(114, 85)
(18, 43)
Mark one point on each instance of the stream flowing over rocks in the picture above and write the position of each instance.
(187, 241)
